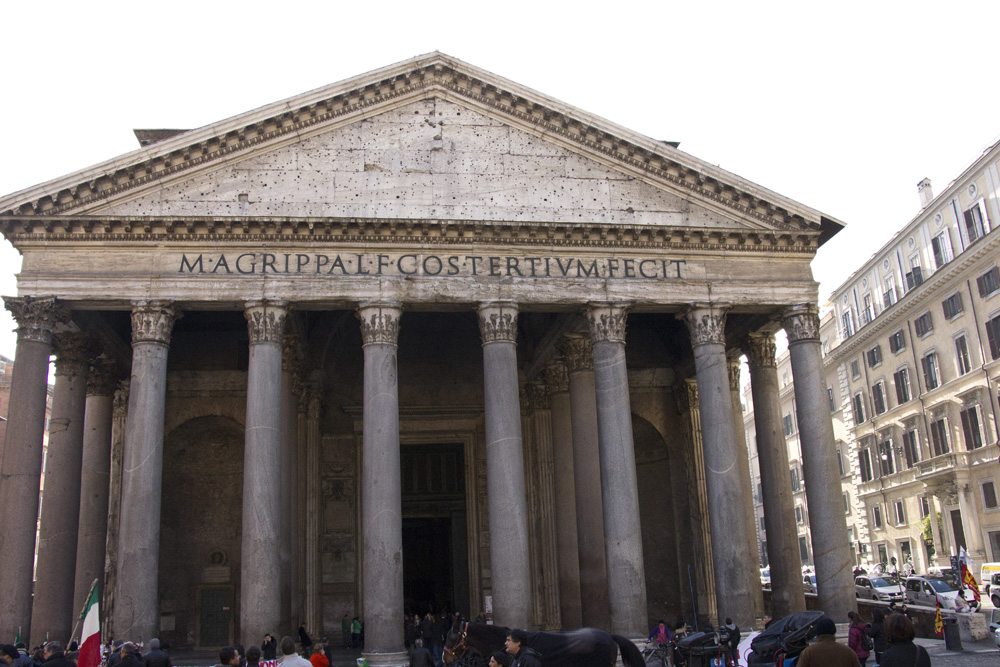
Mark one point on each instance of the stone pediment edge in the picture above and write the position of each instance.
(20, 230)
(360, 95)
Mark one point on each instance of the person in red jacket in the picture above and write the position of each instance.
(855, 636)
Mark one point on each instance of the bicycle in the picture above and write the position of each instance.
(657, 656)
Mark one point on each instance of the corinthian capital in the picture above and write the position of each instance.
(266, 320)
(692, 392)
(72, 351)
(498, 322)
(103, 378)
(379, 322)
(557, 378)
(706, 323)
(36, 317)
(760, 350)
(733, 366)
(152, 321)
(801, 323)
(607, 322)
(578, 352)
(538, 396)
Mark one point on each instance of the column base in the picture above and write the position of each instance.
(400, 659)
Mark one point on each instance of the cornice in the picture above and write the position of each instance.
(419, 78)
(156, 229)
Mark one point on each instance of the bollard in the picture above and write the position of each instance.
(952, 637)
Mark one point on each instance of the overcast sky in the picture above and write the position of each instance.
(843, 107)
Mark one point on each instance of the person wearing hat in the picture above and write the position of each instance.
(826, 652)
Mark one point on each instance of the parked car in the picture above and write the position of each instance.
(928, 591)
(809, 583)
(993, 588)
(986, 572)
(885, 589)
(995, 625)
(765, 578)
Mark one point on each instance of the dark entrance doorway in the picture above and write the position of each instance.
(435, 553)
(216, 615)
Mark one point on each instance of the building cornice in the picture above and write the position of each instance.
(23, 229)
(419, 78)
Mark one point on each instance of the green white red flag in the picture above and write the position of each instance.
(90, 647)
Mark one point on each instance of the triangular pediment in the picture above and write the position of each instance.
(430, 138)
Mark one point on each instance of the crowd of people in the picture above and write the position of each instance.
(888, 639)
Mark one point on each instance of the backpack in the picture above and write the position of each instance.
(867, 644)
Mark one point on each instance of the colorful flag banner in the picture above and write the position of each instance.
(90, 647)
(938, 623)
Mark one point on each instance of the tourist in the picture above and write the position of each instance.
(269, 647)
(228, 657)
(129, 654)
(877, 633)
(901, 651)
(356, 632)
(660, 634)
(318, 658)
(855, 637)
(305, 640)
(289, 658)
(155, 657)
(8, 654)
(500, 659)
(421, 657)
(524, 656)
(253, 656)
(74, 657)
(826, 652)
(115, 658)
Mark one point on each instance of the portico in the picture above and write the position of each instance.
(424, 293)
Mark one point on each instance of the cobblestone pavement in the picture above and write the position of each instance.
(983, 652)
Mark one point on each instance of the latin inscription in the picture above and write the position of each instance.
(416, 264)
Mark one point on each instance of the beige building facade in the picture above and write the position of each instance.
(422, 338)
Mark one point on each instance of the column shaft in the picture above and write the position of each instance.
(567, 546)
(509, 559)
(94, 482)
(787, 595)
(381, 500)
(289, 449)
(619, 488)
(831, 551)
(735, 579)
(21, 462)
(119, 420)
(587, 480)
(136, 595)
(260, 561)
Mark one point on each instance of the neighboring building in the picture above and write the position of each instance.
(6, 375)
(911, 348)
(428, 269)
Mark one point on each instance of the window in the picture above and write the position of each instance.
(989, 496)
(829, 393)
(890, 296)
(989, 282)
(962, 360)
(941, 246)
(887, 462)
(798, 514)
(878, 397)
(762, 523)
(901, 379)
(868, 314)
(859, 408)
(848, 320)
(897, 342)
(939, 436)
(840, 462)
(952, 305)
(874, 356)
(795, 479)
(803, 549)
(931, 371)
(970, 428)
(899, 512)
(914, 278)
(922, 325)
(789, 426)
(993, 336)
(925, 507)
(975, 222)
(911, 448)
(877, 516)
(856, 368)
(847, 503)
(865, 464)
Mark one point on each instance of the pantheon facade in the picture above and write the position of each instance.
(424, 338)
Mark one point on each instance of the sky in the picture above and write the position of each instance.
(843, 106)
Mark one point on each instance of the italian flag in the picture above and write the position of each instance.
(90, 647)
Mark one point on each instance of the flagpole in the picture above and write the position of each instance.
(83, 611)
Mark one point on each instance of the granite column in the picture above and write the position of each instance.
(136, 612)
(735, 579)
(619, 487)
(289, 468)
(95, 481)
(831, 550)
(567, 546)
(21, 458)
(787, 595)
(381, 501)
(509, 558)
(579, 356)
(260, 560)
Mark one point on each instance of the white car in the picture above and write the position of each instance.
(765, 578)
(884, 589)
(928, 591)
(995, 626)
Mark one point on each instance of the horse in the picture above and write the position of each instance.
(586, 647)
